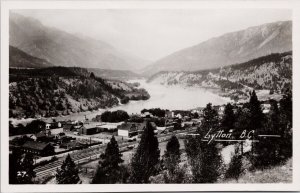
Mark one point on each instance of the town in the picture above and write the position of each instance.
(85, 139)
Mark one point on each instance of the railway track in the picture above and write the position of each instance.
(91, 153)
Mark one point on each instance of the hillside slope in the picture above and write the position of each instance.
(60, 91)
(64, 49)
(20, 59)
(272, 72)
(231, 48)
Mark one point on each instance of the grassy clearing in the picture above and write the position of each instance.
(277, 174)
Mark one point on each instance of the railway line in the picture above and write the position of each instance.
(83, 156)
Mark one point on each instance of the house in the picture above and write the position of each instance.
(71, 145)
(111, 127)
(38, 148)
(55, 131)
(128, 130)
(60, 136)
(52, 124)
(44, 136)
(266, 107)
(179, 116)
(169, 114)
(221, 109)
(87, 130)
(68, 127)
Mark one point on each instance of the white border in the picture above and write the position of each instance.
(149, 4)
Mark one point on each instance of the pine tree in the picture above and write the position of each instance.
(204, 157)
(235, 168)
(68, 173)
(145, 160)
(14, 166)
(228, 119)
(286, 125)
(24, 168)
(210, 120)
(242, 123)
(172, 159)
(257, 116)
(108, 171)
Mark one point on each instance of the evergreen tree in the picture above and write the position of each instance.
(204, 157)
(24, 168)
(68, 173)
(172, 159)
(242, 123)
(286, 124)
(92, 75)
(210, 120)
(257, 116)
(14, 166)
(235, 167)
(145, 160)
(108, 171)
(228, 119)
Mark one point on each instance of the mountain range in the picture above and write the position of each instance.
(64, 49)
(230, 48)
(272, 73)
(47, 46)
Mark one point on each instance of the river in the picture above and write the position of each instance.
(165, 97)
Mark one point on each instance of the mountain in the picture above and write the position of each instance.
(231, 48)
(20, 59)
(272, 72)
(64, 49)
(115, 74)
(57, 91)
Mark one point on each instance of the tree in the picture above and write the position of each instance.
(242, 123)
(228, 119)
(68, 173)
(92, 75)
(286, 125)
(145, 160)
(36, 126)
(235, 168)
(14, 166)
(21, 168)
(204, 159)
(108, 171)
(257, 116)
(210, 120)
(171, 160)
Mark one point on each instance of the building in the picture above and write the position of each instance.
(68, 127)
(38, 148)
(110, 127)
(44, 136)
(169, 114)
(128, 129)
(72, 145)
(87, 130)
(56, 131)
(266, 107)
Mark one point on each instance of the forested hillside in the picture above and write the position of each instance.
(59, 91)
(272, 72)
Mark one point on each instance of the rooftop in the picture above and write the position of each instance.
(35, 145)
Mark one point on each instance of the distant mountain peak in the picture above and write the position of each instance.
(64, 49)
(233, 47)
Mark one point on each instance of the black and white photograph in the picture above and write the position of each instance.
(145, 95)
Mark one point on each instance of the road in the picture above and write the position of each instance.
(92, 153)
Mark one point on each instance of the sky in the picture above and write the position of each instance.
(153, 34)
